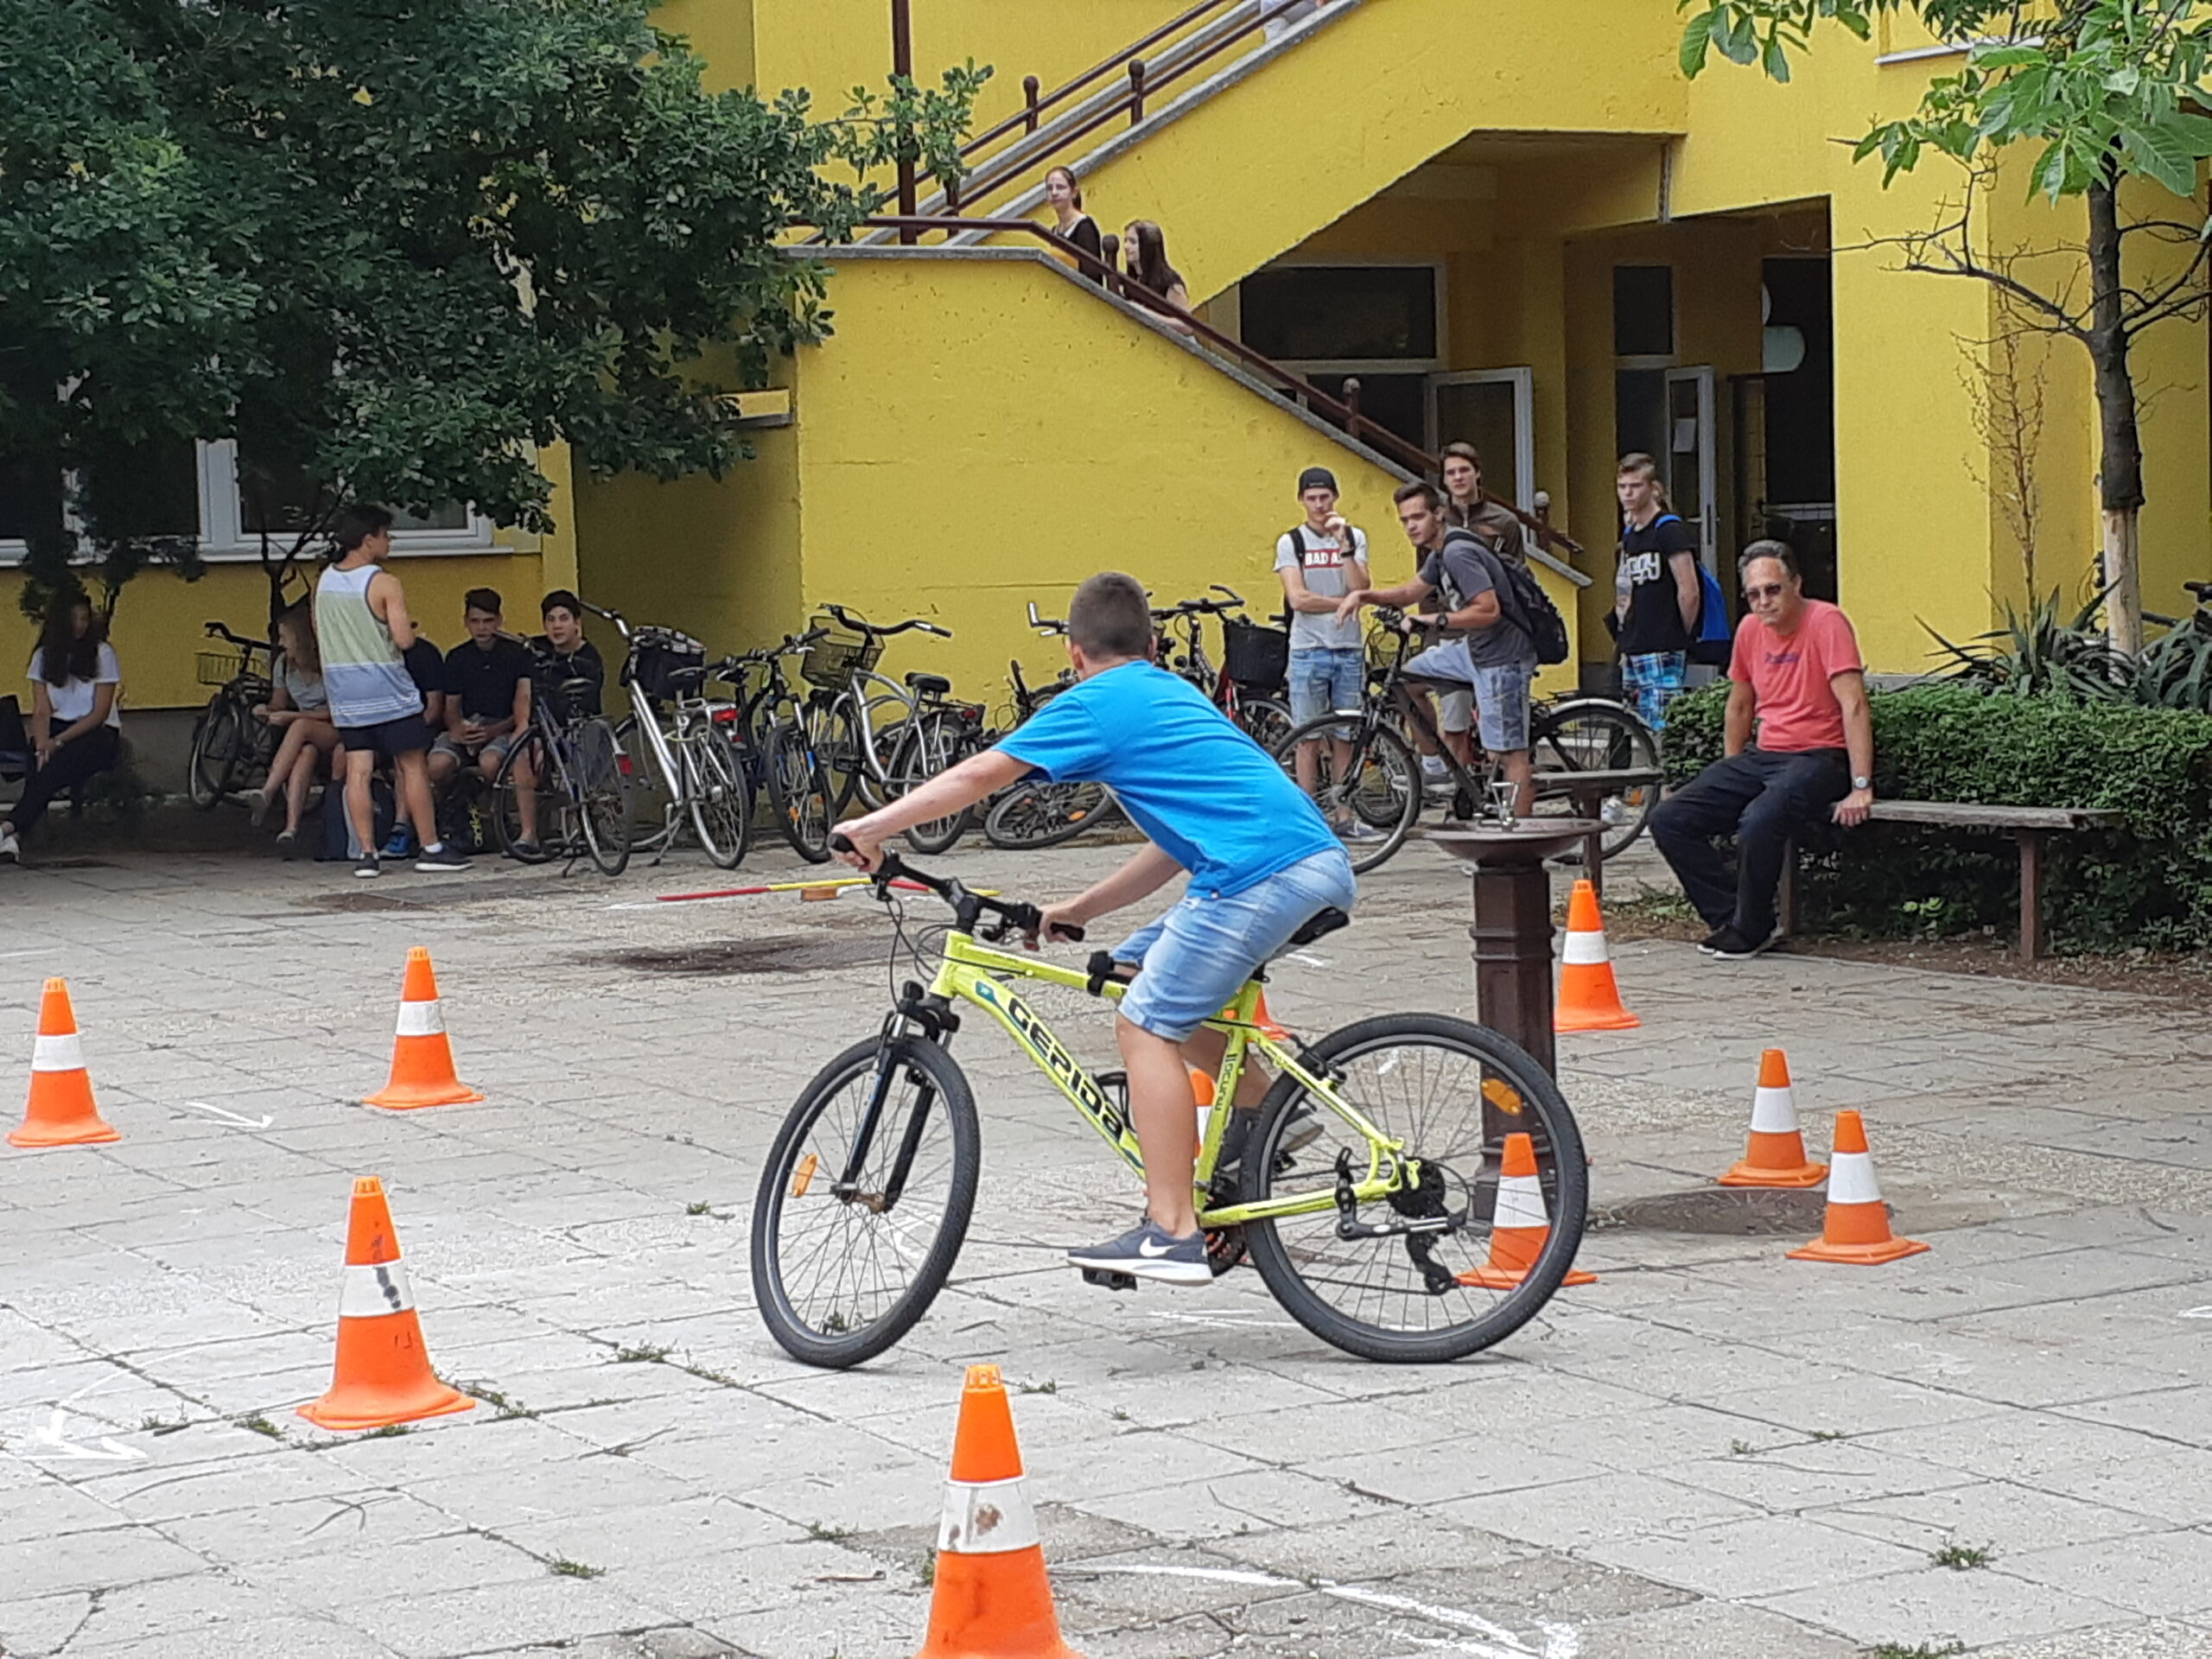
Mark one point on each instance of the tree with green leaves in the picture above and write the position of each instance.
(2104, 92)
(395, 251)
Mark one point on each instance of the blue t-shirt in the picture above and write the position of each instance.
(1201, 789)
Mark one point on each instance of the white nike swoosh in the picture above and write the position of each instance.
(1145, 1248)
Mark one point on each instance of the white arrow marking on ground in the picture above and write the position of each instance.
(1493, 1641)
(111, 1450)
(227, 1115)
(2196, 1313)
(1310, 961)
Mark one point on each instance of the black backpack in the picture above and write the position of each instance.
(1521, 599)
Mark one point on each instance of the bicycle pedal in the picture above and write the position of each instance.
(1109, 1279)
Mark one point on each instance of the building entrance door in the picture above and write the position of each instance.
(1690, 462)
(1495, 410)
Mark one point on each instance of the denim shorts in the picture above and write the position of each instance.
(1193, 961)
(1323, 681)
(1501, 694)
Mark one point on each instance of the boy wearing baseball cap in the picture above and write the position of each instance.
(1320, 561)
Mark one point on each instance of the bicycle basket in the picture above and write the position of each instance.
(831, 661)
(657, 655)
(220, 667)
(1255, 657)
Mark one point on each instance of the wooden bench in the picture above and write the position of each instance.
(2029, 826)
(1588, 791)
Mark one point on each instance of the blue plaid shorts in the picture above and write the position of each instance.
(1653, 679)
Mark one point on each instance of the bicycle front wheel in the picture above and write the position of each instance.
(719, 797)
(217, 736)
(864, 1201)
(1588, 735)
(549, 799)
(1034, 815)
(1427, 1289)
(799, 792)
(602, 783)
(1378, 797)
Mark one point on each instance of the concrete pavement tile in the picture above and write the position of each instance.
(2012, 1518)
(2162, 1572)
(94, 1560)
(154, 1615)
(153, 1493)
(1341, 1426)
(2183, 1414)
(47, 1508)
(816, 1576)
(2012, 1445)
(1935, 1606)
(886, 1489)
(1856, 1406)
(696, 1527)
(454, 1561)
(1211, 1510)
(497, 1616)
(1435, 1473)
(1812, 1475)
(670, 1642)
(1709, 1629)
(1579, 1513)
(302, 1637)
(364, 1521)
(2155, 1638)
(42, 1624)
(543, 1489)
(1654, 1435)
(1129, 1461)
(1376, 1548)
(1740, 1559)
(2173, 1484)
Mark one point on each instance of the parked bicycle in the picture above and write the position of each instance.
(783, 763)
(1033, 813)
(232, 746)
(1374, 1234)
(1381, 783)
(672, 743)
(855, 716)
(1247, 695)
(576, 765)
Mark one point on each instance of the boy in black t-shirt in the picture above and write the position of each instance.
(1657, 596)
(563, 642)
(487, 708)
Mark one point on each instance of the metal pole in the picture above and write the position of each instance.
(902, 64)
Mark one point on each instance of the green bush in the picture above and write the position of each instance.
(2147, 883)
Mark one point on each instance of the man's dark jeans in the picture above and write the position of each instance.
(1762, 799)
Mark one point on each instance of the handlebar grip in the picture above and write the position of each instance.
(931, 627)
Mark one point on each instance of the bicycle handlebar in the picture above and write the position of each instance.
(966, 906)
(1203, 607)
(218, 631)
(860, 624)
(1046, 624)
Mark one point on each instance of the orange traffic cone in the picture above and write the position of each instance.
(1857, 1228)
(383, 1374)
(1266, 1021)
(1775, 1154)
(992, 1599)
(1588, 998)
(1519, 1225)
(422, 1059)
(60, 1111)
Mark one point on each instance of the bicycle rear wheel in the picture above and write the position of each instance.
(1380, 789)
(932, 744)
(719, 801)
(1450, 1092)
(602, 783)
(1267, 719)
(842, 1267)
(1033, 815)
(1588, 735)
(799, 792)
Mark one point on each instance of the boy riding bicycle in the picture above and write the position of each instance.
(1261, 858)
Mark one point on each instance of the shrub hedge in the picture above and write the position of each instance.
(2148, 883)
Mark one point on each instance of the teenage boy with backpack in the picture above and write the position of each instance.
(1320, 561)
(1261, 862)
(1498, 652)
(1659, 599)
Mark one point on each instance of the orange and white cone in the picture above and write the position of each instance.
(991, 1599)
(1776, 1154)
(1588, 998)
(382, 1373)
(1858, 1226)
(422, 1057)
(60, 1111)
(1519, 1224)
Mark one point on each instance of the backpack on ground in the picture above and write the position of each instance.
(337, 840)
(1523, 600)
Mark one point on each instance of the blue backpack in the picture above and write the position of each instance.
(1714, 642)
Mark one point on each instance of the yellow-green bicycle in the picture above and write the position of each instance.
(1373, 1233)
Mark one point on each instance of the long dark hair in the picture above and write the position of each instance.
(1148, 257)
(62, 656)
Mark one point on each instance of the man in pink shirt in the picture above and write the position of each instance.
(1797, 671)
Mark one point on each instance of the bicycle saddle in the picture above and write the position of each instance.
(1318, 925)
(930, 684)
(687, 679)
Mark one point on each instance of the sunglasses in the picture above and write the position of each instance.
(1773, 591)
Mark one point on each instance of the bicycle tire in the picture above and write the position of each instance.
(834, 735)
(714, 788)
(1586, 735)
(1031, 815)
(1385, 793)
(216, 737)
(800, 1165)
(799, 792)
(507, 814)
(933, 744)
(1267, 719)
(602, 781)
(1295, 1269)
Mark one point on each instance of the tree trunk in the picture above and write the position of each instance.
(2119, 457)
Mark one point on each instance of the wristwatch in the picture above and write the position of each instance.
(1862, 783)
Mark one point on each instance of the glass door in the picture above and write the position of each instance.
(1691, 458)
(1495, 410)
